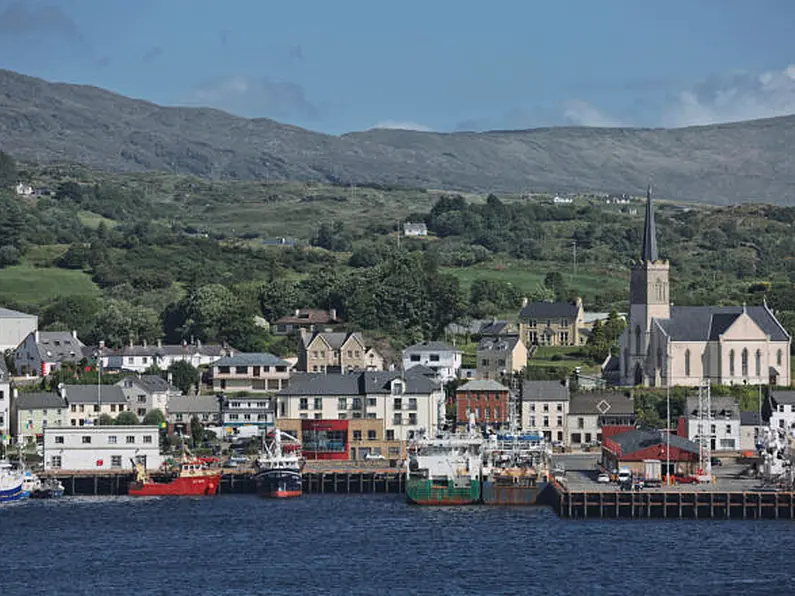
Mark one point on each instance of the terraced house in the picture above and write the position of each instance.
(332, 352)
(255, 372)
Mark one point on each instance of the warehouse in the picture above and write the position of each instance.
(630, 449)
(101, 448)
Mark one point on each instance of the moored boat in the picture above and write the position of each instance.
(516, 469)
(191, 479)
(49, 488)
(279, 468)
(10, 483)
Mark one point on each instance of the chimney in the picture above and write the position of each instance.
(159, 343)
(333, 314)
(170, 378)
(143, 342)
(132, 344)
(199, 344)
(578, 302)
(36, 336)
(101, 344)
(524, 301)
(74, 333)
(297, 312)
(61, 390)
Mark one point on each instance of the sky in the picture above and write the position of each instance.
(344, 65)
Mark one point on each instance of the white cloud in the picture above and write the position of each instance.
(742, 96)
(581, 113)
(402, 125)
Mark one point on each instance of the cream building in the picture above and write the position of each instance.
(686, 345)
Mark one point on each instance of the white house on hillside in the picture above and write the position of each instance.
(440, 357)
(140, 358)
(41, 352)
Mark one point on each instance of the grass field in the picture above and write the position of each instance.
(92, 220)
(24, 285)
(555, 356)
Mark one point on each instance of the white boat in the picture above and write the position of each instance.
(10, 482)
(279, 469)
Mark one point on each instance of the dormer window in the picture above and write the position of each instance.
(398, 388)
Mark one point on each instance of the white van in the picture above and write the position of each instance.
(624, 475)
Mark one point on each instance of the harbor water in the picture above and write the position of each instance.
(374, 544)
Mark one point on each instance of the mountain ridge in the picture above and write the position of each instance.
(722, 163)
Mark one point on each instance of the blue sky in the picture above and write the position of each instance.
(338, 66)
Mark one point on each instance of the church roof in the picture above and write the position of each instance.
(649, 232)
(707, 323)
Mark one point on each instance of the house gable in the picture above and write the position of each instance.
(744, 328)
(352, 342)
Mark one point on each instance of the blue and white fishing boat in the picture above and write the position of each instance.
(10, 483)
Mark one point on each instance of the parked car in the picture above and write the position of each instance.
(374, 456)
(715, 461)
(624, 475)
(603, 478)
(686, 479)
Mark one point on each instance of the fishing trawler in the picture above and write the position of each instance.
(516, 466)
(279, 468)
(191, 478)
(444, 469)
(10, 482)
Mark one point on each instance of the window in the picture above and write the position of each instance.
(744, 362)
(357, 403)
(247, 417)
(130, 439)
(564, 337)
(778, 358)
(397, 403)
(144, 360)
(576, 438)
(318, 416)
(559, 421)
(350, 353)
(223, 370)
(236, 417)
(496, 413)
(533, 323)
(241, 370)
(687, 363)
(397, 419)
(434, 357)
(414, 358)
(587, 437)
(115, 461)
(532, 421)
(712, 429)
(342, 416)
(273, 384)
(141, 411)
(357, 435)
(731, 363)
(501, 362)
(96, 407)
(86, 439)
(371, 435)
(484, 362)
(303, 403)
(532, 407)
(371, 401)
(659, 358)
(546, 407)
(390, 435)
(371, 416)
(580, 422)
(342, 403)
(546, 421)
(179, 417)
(255, 371)
(486, 413)
(564, 322)
(727, 443)
(303, 416)
(55, 462)
(559, 407)
(728, 429)
(412, 403)
(758, 363)
(318, 403)
(397, 388)
(59, 440)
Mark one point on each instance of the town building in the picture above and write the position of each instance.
(750, 428)
(334, 352)
(723, 423)
(101, 448)
(33, 412)
(147, 392)
(5, 401)
(545, 409)
(403, 402)
(500, 357)
(595, 415)
(552, 323)
(182, 409)
(360, 439)
(415, 229)
(42, 352)
(306, 319)
(485, 398)
(142, 358)
(781, 405)
(688, 345)
(250, 372)
(495, 328)
(15, 326)
(442, 358)
(252, 412)
(632, 448)
(86, 403)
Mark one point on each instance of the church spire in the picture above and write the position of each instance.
(649, 232)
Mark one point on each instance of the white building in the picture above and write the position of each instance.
(23, 190)
(545, 409)
(440, 357)
(593, 413)
(415, 229)
(182, 409)
(723, 423)
(782, 410)
(256, 411)
(15, 327)
(41, 352)
(86, 403)
(101, 448)
(140, 358)
(750, 428)
(147, 392)
(5, 401)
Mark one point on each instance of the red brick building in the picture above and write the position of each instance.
(487, 399)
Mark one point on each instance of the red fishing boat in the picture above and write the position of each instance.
(192, 478)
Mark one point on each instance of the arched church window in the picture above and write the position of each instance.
(745, 362)
(731, 363)
(638, 348)
(758, 363)
(659, 358)
(687, 363)
(778, 358)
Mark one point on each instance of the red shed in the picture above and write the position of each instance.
(630, 449)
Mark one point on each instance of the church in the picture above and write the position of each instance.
(666, 345)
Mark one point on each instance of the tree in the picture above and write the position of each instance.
(9, 255)
(184, 376)
(554, 281)
(278, 297)
(196, 431)
(77, 313)
(8, 170)
(154, 418)
(105, 420)
(126, 418)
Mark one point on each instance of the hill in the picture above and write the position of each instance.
(728, 163)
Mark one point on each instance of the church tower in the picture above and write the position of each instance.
(648, 299)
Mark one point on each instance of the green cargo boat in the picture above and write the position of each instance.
(461, 490)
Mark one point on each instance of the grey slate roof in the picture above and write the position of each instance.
(503, 343)
(7, 313)
(200, 404)
(706, 323)
(549, 310)
(87, 394)
(635, 440)
(783, 397)
(39, 401)
(57, 346)
(334, 339)
(749, 419)
(251, 359)
(545, 391)
(359, 383)
(430, 346)
(151, 383)
(498, 328)
(721, 407)
(587, 402)
(482, 385)
(170, 350)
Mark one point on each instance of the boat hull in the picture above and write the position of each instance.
(192, 486)
(12, 493)
(284, 483)
(505, 494)
(422, 491)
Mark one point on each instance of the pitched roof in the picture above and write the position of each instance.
(430, 346)
(545, 391)
(482, 385)
(588, 402)
(501, 343)
(88, 394)
(150, 383)
(335, 339)
(635, 440)
(57, 346)
(358, 383)
(498, 328)
(750, 419)
(251, 359)
(783, 397)
(706, 323)
(7, 313)
(309, 316)
(549, 310)
(649, 252)
(39, 401)
(170, 350)
(199, 404)
(721, 407)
